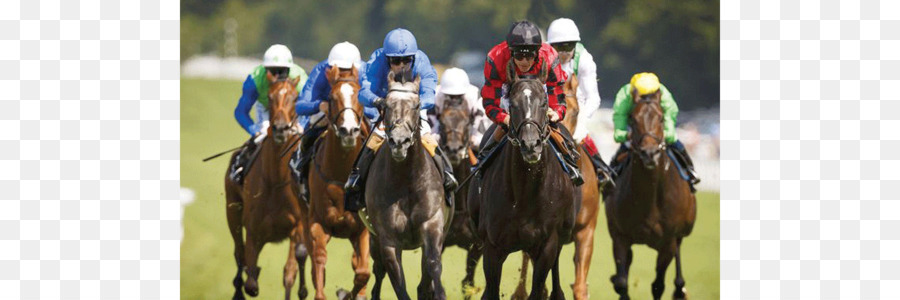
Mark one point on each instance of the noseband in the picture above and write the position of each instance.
(661, 142)
(413, 127)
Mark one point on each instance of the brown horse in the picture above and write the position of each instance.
(651, 204)
(524, 200)
(405, 197)
(586, 219)
(456, 123)
(266, 205)
(331, 165)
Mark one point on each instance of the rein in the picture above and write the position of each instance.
(514, 131)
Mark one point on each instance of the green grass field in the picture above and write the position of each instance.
(207, 264)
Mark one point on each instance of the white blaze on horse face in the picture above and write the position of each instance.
(347, 98)
(527, 93)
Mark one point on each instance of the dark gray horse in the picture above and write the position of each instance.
(405, 197)
(524, 200)
(456, 121)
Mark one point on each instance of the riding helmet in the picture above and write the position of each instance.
(524, 34)
(645, 83)
(563, 30)
(278, 55)
(400, 42)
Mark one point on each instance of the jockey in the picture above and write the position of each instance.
(399, 53)
(526, 48)
(313, 97)
(455, 85)
(644, 84)
(563, 35)
(278, 61)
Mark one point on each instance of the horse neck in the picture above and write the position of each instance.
(339, 160)
(274, 166)
(646, 183)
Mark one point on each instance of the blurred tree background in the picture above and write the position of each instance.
(679, 40)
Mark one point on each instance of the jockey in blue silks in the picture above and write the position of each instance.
(316, 90)
(398, 54)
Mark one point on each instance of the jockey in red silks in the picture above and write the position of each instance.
(525, 47)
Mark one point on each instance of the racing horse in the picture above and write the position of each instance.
(266, 206)
(331, 165)
(455, 123)
(524, 200)
(586, 219)
(405, 196)
(651, 203)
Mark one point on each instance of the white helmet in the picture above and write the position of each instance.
(563, 30)
(454, 81)
(278, 55)
(344, 55)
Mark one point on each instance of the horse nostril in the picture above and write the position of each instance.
(343, 131)
(354, 130)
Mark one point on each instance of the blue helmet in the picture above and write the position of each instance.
(400, 42)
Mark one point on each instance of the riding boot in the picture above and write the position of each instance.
(605, 175)
(353, 189)
(617, 163)
(240, 161)
(306, 151)
(449, 180)
(688, 162)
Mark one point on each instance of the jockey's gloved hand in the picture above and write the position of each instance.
(261, 132)
(379, 104)
(554, 117)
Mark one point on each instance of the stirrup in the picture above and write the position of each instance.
(575, 176)
(450, 182)
(352, 184)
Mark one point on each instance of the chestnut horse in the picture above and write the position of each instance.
(331, 165)
(586, 219)
(266, 206)
(651, 204)
(524, 200)
(456, 123)
(405, 196)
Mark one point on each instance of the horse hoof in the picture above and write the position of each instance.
(251, 288)
(238, 295)
(303, 293)
(358, 297)
(680, 295)
(342, 294)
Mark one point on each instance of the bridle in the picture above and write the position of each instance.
(332, 120)
(414, 127)
(515, 130)
(661, 142)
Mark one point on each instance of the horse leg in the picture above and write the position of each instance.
(468, 283)
(430, 286)
(319, 257)
(557, 293)
(360, 262)
(622, 255)
(252, 249)
(584, 248)
(290, 268)
(393, 263)
(377, 269)
(543, 264)
(663, 258)
(521, 293)
(302, 253)
(680, 291)
(493, 269)
(235, 226)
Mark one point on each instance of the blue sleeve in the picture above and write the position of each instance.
(371, 80)
(308, 103)
(305, 97)
(370, 112)
(242, 111)
(427, 80)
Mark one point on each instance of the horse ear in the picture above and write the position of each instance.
(331, 74)
(354, 72)
(574, 81)
(417, 81)
(511, 76)
(391, 77)
(295, 81)
(544, 71)
(270, 77)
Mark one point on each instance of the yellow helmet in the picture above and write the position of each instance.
(645, 83)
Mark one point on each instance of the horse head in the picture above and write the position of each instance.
(282, 114)
(528, 123)
(345, 114)
(401, 113)
(455, 121)
(647, 139)
(572, 108)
